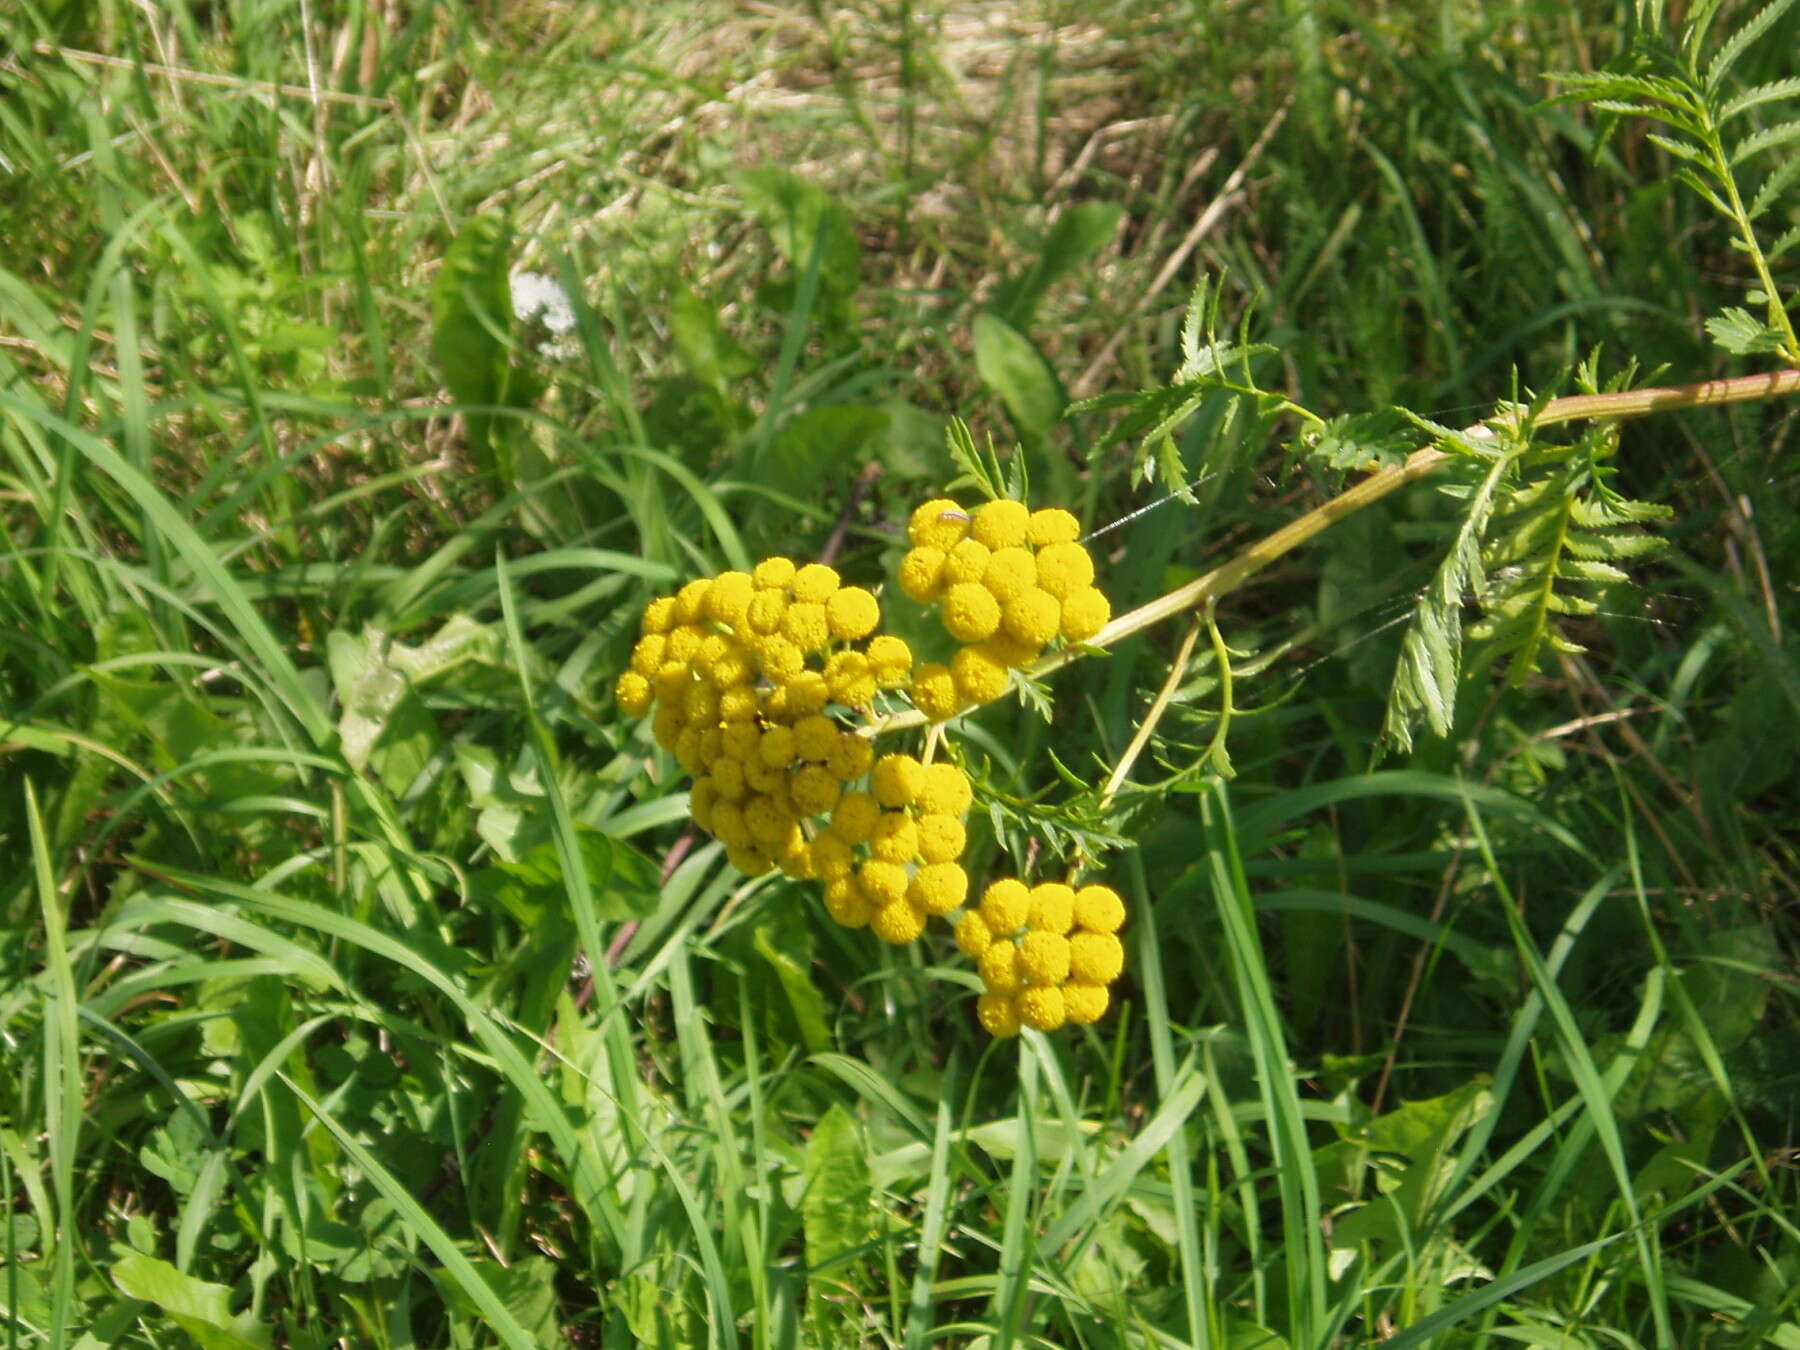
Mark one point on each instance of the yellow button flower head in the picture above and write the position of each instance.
(688, 751)
(1052, 525)
(897, 922)
(938, 888)
(700, 702)
(850, 757)
(945, 791)
(770, 782)
(776, 749)
(738, 704)
(807, 693)
(659, 614)
(749, 859)
(672, 681)
(1009, 651)
(882, 882)
(684, 643)
(934, 692)
(690, 601)
(806, 627)
(773, 574)
(1095, 958)
(1005, 904)
(813, 738)
(768, 823)
(1084, 614)
(794, 857)
(999, 967)
(814, 584)
(980, 675)
(1041, 1007)
(1044, 958)
(1084, 1003)
(966, 562)
(701, 799)
(728, 823)
(941, 838)
(647, 655)
(854, 821)
(734, 667)
(1009, 572)
(853, 613)
(970, 612)
(767, 610)
(1032, 617)
(973, 936)
(814, 789)
(922, 574)
(850, 680)
(891, 661)
(740, 740)
(999, 1014)
(831, 856)
(896, 780)
(845, 902)
(728, 598)
(939, 524)
(667, 727)
(633, 694)
(1099, 909)
(1063, 569)
(728, 777)
(1001, 524)
(779, 658)
(1052, 908)
(896, 838)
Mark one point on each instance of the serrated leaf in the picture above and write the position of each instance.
(1780, 178)
(1741, 334)
(1742, 40)
(1766, 139)
(819, 445)
(1363, 441)
(1758, 95)
(800, 216)
(710, 353)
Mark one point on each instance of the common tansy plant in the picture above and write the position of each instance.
(767, 686)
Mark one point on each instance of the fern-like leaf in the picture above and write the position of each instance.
(1425, 681)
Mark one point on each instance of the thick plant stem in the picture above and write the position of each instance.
(1230, 575)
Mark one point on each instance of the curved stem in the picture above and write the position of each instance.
(1228, 576)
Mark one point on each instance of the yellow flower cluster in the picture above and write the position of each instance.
(888, 857)
(748, 675)
(741, 669)
(1008, 581)
(1047, 953)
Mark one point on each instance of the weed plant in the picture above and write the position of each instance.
(366, 369)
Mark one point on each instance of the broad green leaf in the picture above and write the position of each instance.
(821, 445)
(710, 353)
(836, 1205)
(200, 1309)
(1010, 364)
(800, 216)
(1077, 235)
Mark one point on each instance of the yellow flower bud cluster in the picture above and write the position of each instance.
(741, 670)
(888, 857)
(1008, 581)
(1047, 953)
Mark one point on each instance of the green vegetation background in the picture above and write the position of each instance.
(359, 984)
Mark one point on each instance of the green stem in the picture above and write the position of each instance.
(1227, 577)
